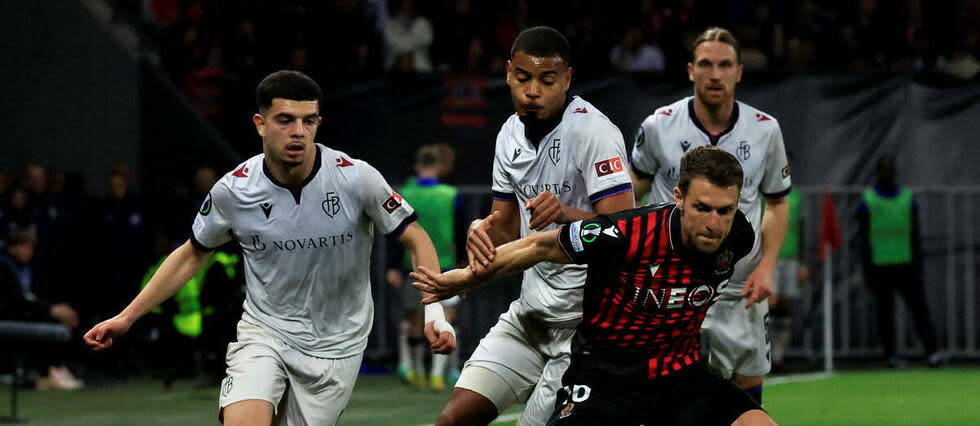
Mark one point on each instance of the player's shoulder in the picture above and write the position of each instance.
(742, 236)
(756, 118)
(666, 115)
(243, 176)
(583, 116)
(344, 167)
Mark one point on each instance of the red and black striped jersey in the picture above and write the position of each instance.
(645, 294)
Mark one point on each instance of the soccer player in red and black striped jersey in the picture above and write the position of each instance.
(652, 274)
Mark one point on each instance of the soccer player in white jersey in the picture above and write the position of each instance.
(558, 159)
(735, 329)
(304, 215)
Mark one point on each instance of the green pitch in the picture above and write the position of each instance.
(913, 397)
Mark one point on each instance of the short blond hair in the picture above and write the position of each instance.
(718, 34)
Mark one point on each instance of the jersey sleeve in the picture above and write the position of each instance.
(744, 235)
(776, 180)
(386, 208)
(644, 160)
(212, 226)
(592, 240)
(502, 187)
(603, 160)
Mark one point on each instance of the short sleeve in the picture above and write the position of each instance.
(212, 225)
(502, 187)
(592, 240)
(644, 160)
(602, 160)
(386, 208)
(776, 180)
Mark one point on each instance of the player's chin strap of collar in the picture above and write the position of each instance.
(434, 312)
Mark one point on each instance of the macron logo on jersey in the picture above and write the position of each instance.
(343, 162)
(392, 203)
(761, 117)
(666, 112)
(242, 172)
(581, 111)
(608, 167)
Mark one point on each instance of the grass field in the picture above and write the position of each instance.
(912, 397)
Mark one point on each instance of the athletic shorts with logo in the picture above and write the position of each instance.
(528, 355)
(736, 338)
(691, 396)
(304, 390)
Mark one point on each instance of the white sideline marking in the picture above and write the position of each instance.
(795, 378)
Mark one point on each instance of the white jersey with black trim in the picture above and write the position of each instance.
(307, 253)
(582, 160)
(753, 138)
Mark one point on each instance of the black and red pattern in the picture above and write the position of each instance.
(645, 295)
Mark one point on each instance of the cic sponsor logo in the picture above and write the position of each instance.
(608, 167)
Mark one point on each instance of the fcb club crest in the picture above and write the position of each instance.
(554, 152)
(744, 151)
(331, 205)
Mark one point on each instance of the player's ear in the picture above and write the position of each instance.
(738, 75)
(678, 196)
(690, 72)
(568, 81)
(510, 71)
(259, 122)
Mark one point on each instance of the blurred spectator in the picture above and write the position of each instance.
(17, 214)
(632, 54)
(123, 236)
(407, 39)
(19, 302)
(892, 249)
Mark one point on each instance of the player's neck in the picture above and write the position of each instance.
(714, 118)
(290, 176)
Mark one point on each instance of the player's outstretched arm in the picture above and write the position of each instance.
(438, 331)
(484, 235)
(547, 209)
(511, 258)
(175, 271)
(775, 219)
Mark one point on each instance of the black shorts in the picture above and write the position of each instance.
(692, 396)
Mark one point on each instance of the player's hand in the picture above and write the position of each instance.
(442, 286)
(479, 247)
(545, 209)
(758, 286)
(65, 314)
(394, 278)
(100, 337)
(443, 342)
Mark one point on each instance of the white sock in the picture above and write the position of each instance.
(404, 355)
(418, 358)
(438, 365)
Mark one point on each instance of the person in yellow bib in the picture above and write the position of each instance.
(888, 218)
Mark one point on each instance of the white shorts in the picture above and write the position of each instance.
(786, 280)
(304, 390)
(736, 338)
(529, 356)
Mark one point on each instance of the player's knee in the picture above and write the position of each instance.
(465, 409)
(747, 382)
(754, 418)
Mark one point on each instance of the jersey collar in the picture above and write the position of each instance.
(297, 190)
(714, 139)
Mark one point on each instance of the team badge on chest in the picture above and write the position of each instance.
(331, 205)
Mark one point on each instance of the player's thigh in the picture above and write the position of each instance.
(736, 338)
(255, 370)
(467, 407)
(585, 402)
(319, 388)
(541, 403)
(703, 398)
(508, 352)
(250, 412)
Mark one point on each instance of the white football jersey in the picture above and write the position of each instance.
(308, 253)
(753, 138)
(581, 161)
